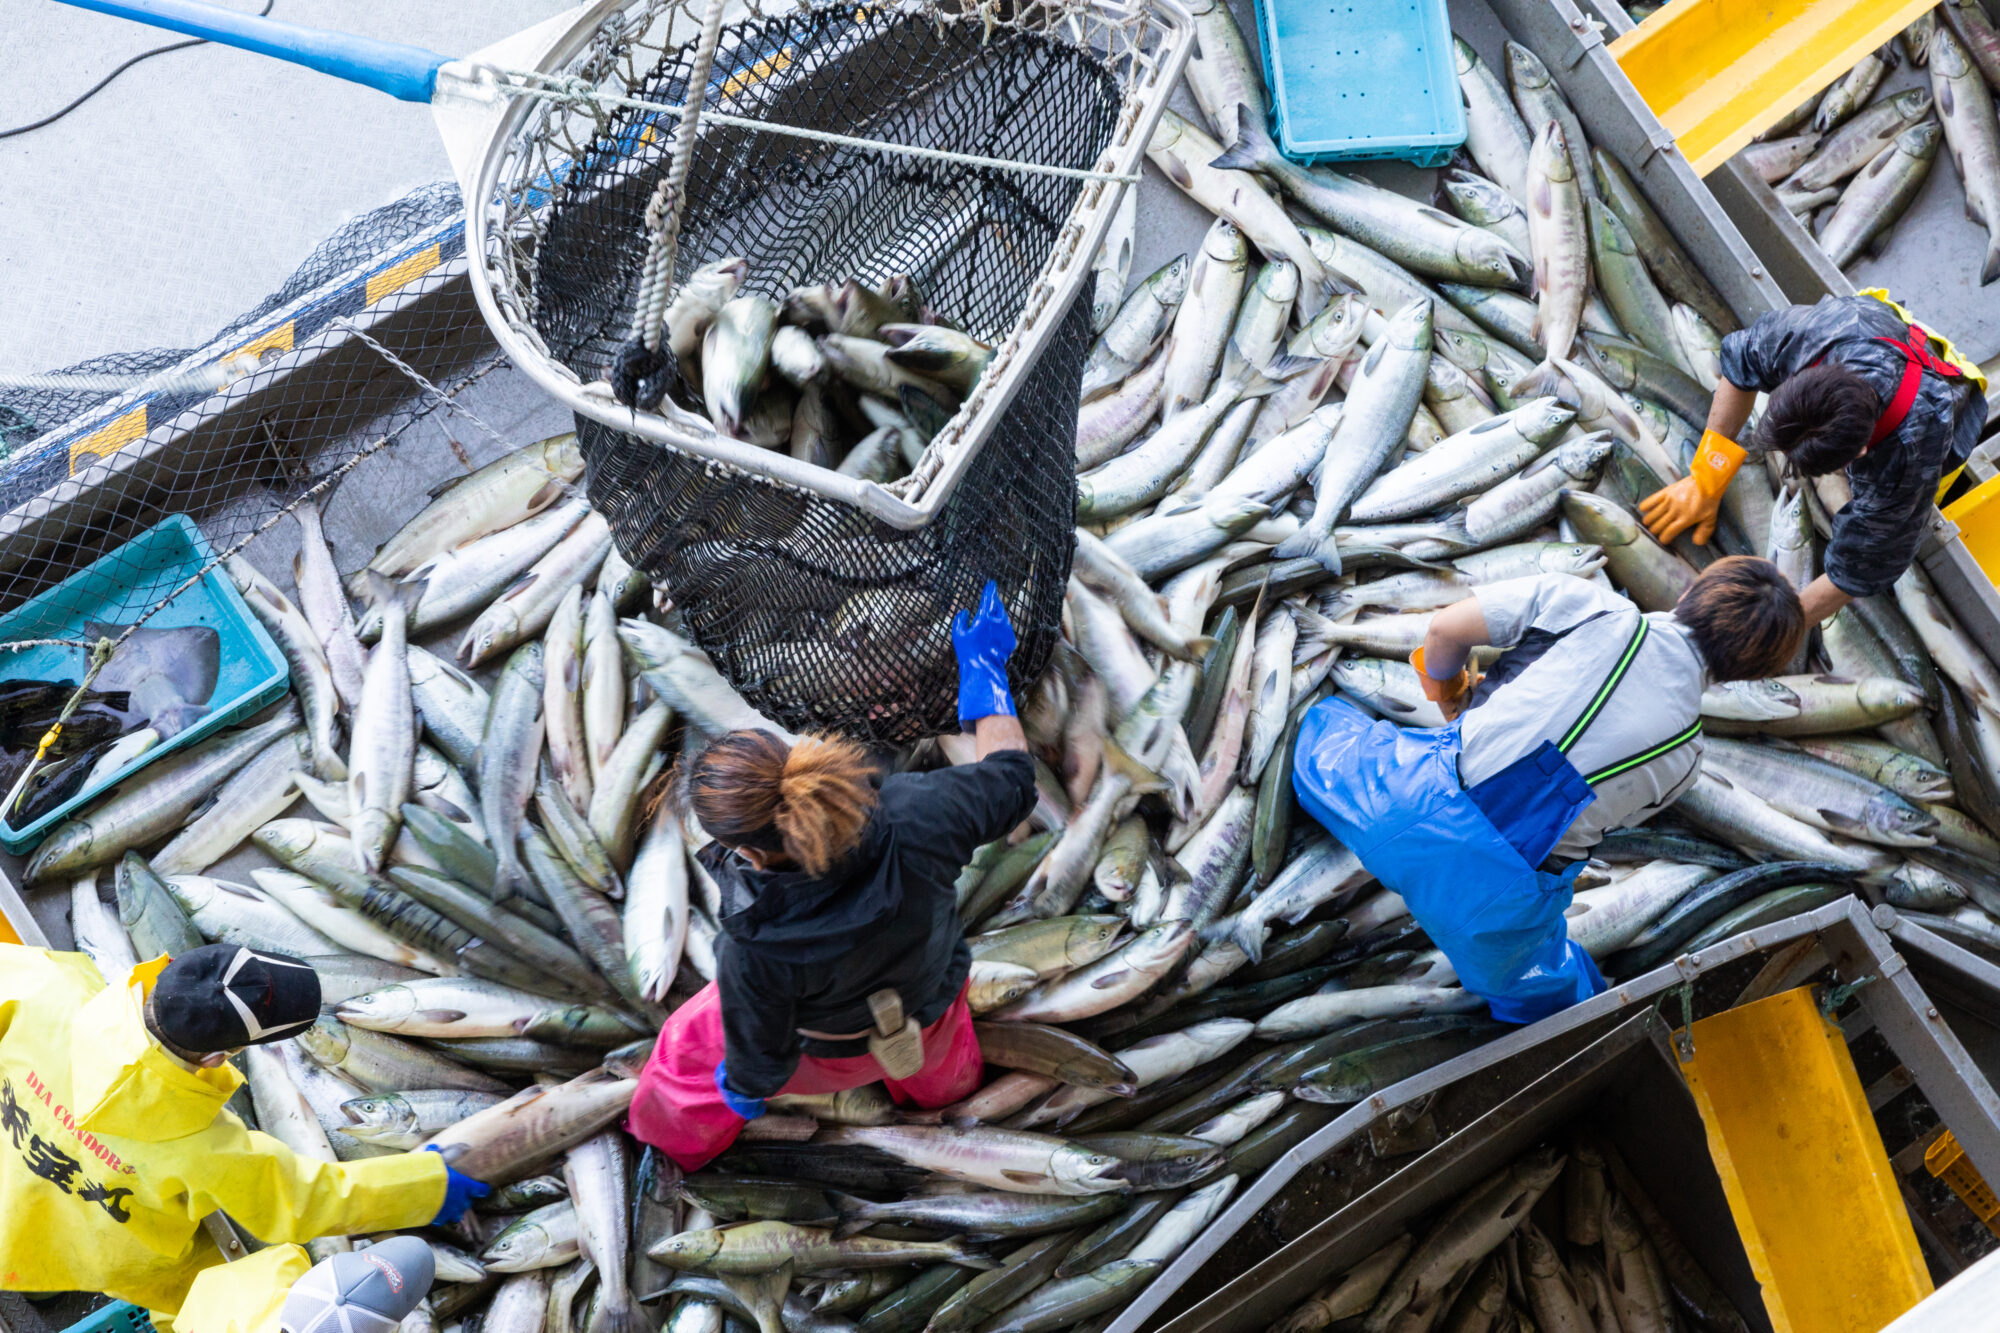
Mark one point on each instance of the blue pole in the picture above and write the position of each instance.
(405, 72)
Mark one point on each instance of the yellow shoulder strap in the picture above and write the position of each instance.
(1945, 350)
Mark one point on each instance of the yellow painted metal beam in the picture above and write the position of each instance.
(1802, 1163)
(1719, 72)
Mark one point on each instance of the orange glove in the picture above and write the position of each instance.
(1692, 501)
(1449, 695)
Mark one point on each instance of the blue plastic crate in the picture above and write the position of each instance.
(1354, 79)
(252, 673)
(116, 1317)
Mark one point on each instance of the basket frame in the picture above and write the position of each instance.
(915, 501)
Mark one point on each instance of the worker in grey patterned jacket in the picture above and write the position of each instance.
(1855, 384)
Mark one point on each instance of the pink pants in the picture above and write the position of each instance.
(678, 1110)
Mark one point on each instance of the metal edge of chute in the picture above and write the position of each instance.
(1974, 1117)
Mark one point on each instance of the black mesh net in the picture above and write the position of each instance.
(27, 412)
(81, 474)
(823, 616)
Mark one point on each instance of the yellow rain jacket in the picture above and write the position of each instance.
(112, 1151)
(244, 1297)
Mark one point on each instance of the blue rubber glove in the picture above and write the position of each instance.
(459, 1192)
(747, 1107)
(983, 640)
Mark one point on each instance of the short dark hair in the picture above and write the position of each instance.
(1820, 418)
(1745, 617)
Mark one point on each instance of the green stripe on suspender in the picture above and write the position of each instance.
(1604, 691)
(1662, 748)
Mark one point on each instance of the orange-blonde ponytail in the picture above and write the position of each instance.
(809, 801)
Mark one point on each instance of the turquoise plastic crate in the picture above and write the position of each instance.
(117, 588)
(117, 1317)
(1354, 79)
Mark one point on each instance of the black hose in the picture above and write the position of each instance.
(102, 83)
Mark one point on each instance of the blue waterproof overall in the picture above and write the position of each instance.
(1467, 860)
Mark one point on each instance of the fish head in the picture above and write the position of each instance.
(287, 838)
(1464, 56)
(1524, 68)
(1169, 283)
(516, 1248)
(1535, 1171)
(1883, 697)
(1583, 459)
(1462, 348)
(1901, 819)
(1540, 419)
(1915, 103)
(562, 456)
(1279, 281)
(1692, 328)
(1550, 154)
(1411, 327)
(325, 1041)
(1488, 252)
(480, 639)
(372, 1117)
(387, 1005)
(1225, 245)
(1163, 942)
(1921, 140)
(1599, 521)
(1607, 230)
(1537, 1253)
(1622, 1231)
(1084, 1171)
(1483, 200)
(688, 1249)
(1092, 935)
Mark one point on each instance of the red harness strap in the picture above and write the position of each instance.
(1917, 358)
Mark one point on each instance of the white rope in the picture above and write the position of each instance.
(209, 378)
(450, 403)
(575, 90)
(663, 212)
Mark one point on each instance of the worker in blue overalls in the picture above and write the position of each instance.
(1855, 385)
(1591, 720)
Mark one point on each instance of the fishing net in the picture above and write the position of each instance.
(827, 601)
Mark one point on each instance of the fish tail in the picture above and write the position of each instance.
(967, 1255)
(1544, 381)
(381, 588)
(1246, 935)
(1254, 150)
(1143, 779)
(617, 1312)
(1992, 268)
(1196, 648)
(855, 1214)
(1307, 542)
(411, 593)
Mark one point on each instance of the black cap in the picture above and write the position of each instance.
(222, 996)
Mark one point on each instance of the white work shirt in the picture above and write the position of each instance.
(1659, 698)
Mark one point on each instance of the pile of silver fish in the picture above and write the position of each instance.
(1347, 410)
(1849, 162)
(1482, 1264)
(846, 376)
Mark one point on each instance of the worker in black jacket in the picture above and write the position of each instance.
(1856, 384)
(842, 958)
